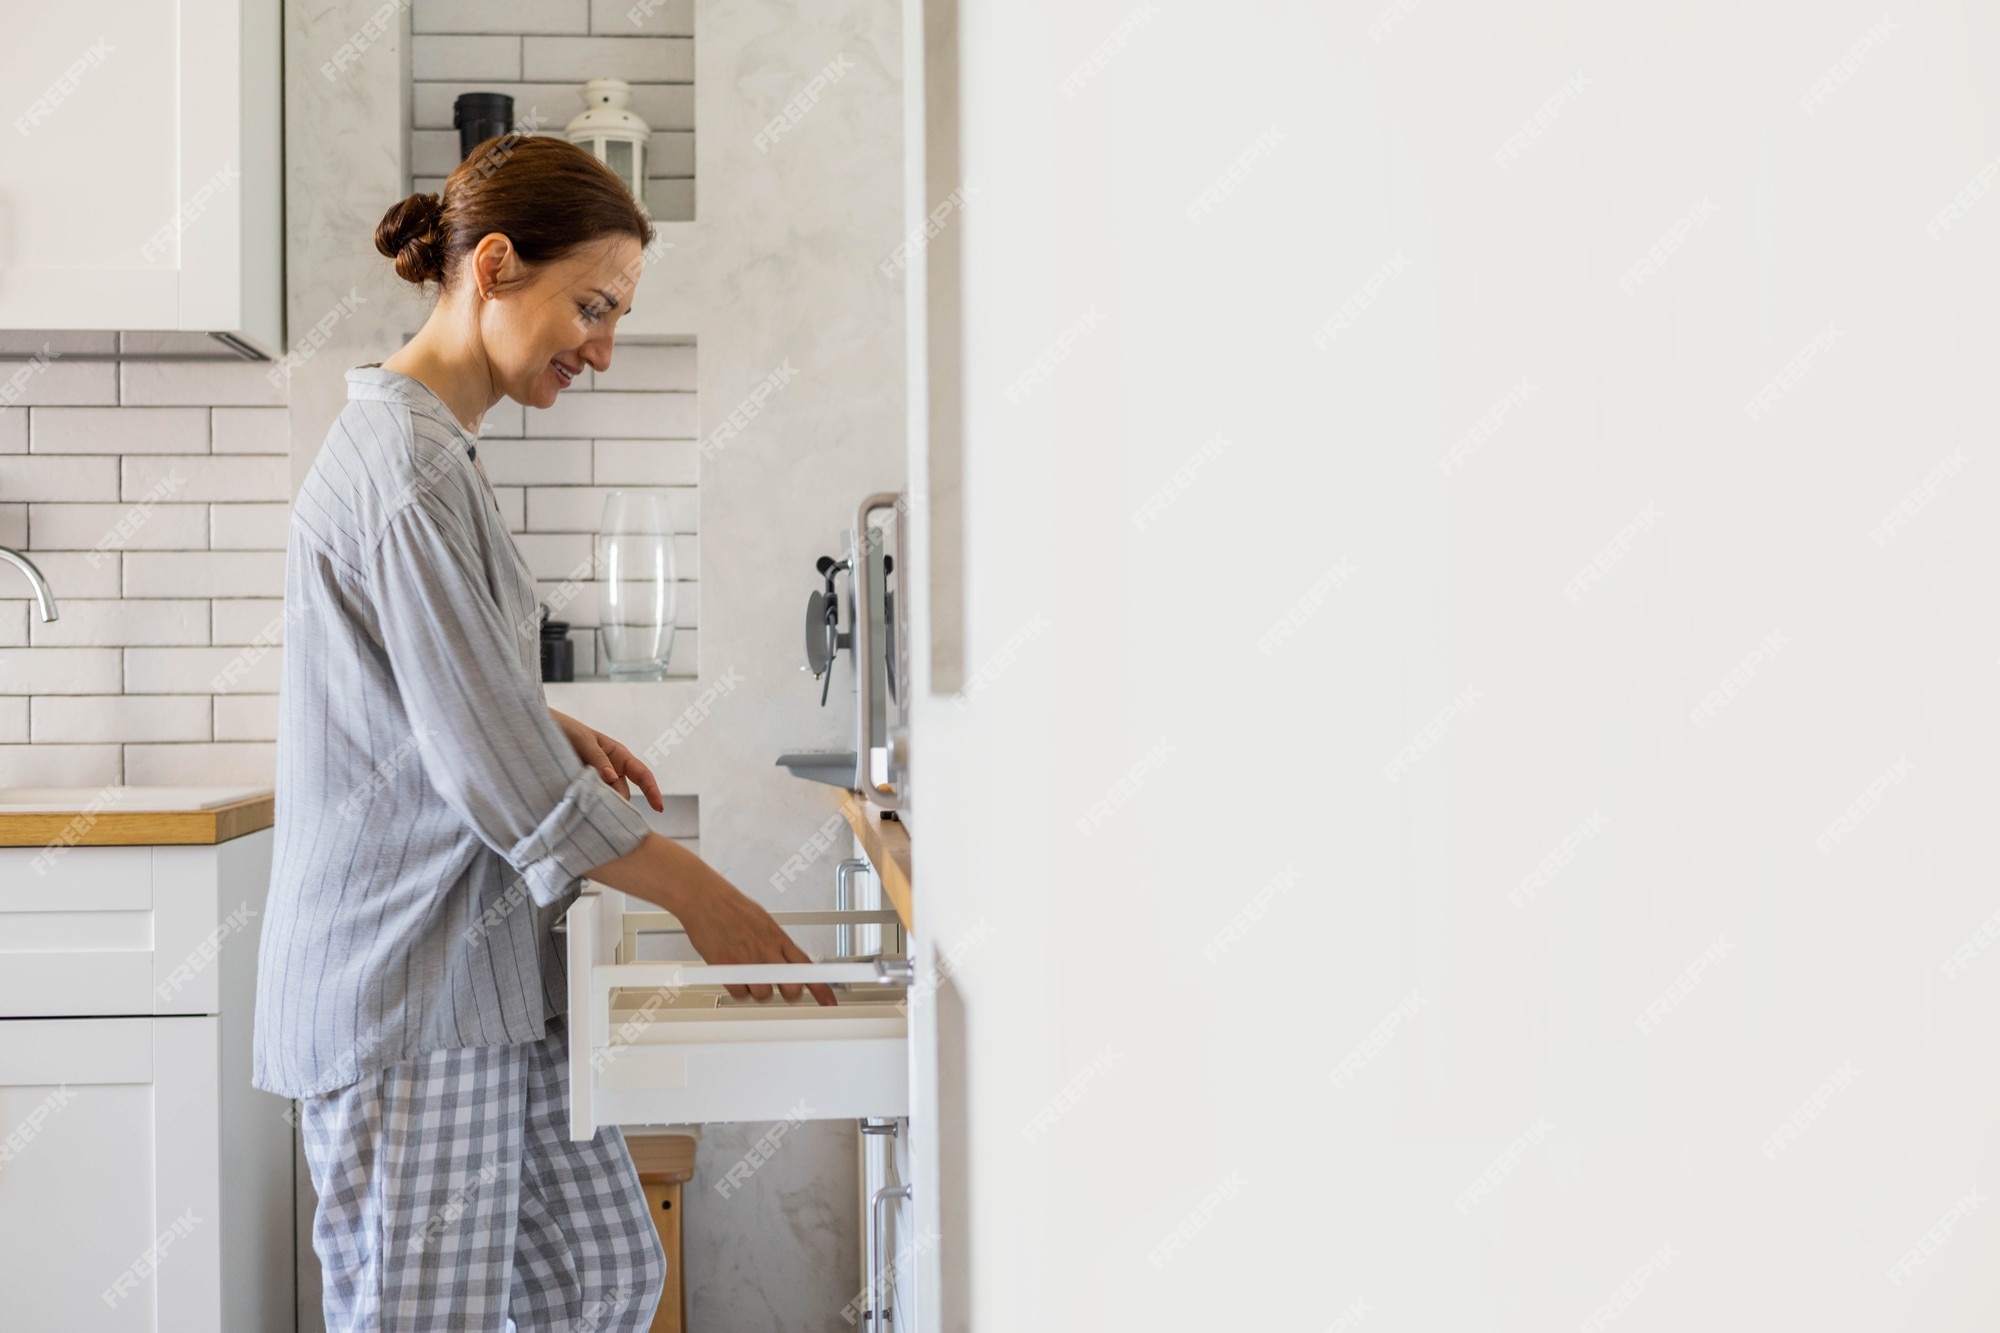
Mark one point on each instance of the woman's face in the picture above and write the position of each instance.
(540, 334)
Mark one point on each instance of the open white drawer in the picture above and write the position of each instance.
(663, 1043)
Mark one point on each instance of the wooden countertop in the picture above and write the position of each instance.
(887, 845)
(129, 828)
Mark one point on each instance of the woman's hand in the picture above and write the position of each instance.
(726, 927)
(618, 765)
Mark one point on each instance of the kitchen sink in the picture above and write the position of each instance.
(47, 800)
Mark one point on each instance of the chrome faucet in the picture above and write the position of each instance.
(42, 596)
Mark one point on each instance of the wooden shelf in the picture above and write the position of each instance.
(886, 843)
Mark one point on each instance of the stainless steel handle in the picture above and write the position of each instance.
(882, 1318)
(843, 901)
(861, 580)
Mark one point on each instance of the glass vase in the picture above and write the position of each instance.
(636, 587)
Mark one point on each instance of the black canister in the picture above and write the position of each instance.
(480, 116)
(558, 651)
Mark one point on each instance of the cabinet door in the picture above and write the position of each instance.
(108, 1174)
(122, 189)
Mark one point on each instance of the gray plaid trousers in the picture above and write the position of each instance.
(452, 1198)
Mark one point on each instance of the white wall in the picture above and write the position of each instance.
(1514, 1025)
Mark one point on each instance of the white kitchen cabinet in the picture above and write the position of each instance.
(144, 1184)
(141, 185)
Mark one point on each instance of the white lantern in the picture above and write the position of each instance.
(613, 133)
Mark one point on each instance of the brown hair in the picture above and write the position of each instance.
(545, 194)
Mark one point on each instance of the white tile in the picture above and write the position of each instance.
(663, 106)
(670, 201)
(126, 527)
(433, 153)
(556, 555)
(513, 506)
(114, 622)
(536, 462)
(248, 620)
(500, 16)
(70, 574)
(37, 383)
(207, 384)
(204, 573)
(465, 57)
(654, 18)
(222, 764)
(14, 623)
(646, 463)
(503, 420)
(637, 366)
(633, 59)
(581, 508)
(205, 477)
(670, 154)
(249, 527)
(575, 602)
(83, 477)
(13, 719)
(252, 430)
(118, 430)
(128, 717)
(13, 430)
(59, 766)
(60, 671)
(14, 526)
(246, 717)
(605, 414)
(253, 670)
(55, 343)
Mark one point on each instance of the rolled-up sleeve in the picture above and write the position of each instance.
(487, 742)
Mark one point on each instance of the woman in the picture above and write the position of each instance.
(434, 815)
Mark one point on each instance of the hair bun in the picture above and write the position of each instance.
(412, 234)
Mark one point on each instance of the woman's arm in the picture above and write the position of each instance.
(723, 925)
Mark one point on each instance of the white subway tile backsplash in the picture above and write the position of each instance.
(501, 16)
(252, 430)
(118, 430)
(663, 106)
(656, 18)
(249, 527)
(513, 506)
(14, 526)
(636, 60)
(671, 153)
(202, 383)
(244, 620)
(58, 477)
(13, 430)
(581, 508)
(645, 366)
(81, 527)
(13, 720)
(206, 477)
(536, 462)
(121, 717)
(433, 153)
(70, 574)
(14, 623)
(204, 573)
(629, 416)
(556, 555)
(221, 764)
(503, 420)
(645, 462)
(60, 671)
(204, 671)
(40, 383)
(60, 766)
(246, 717)
(113, 622)
(465, 56)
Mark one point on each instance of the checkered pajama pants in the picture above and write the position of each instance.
(452, 1198)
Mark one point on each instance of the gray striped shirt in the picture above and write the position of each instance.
(432, 819)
